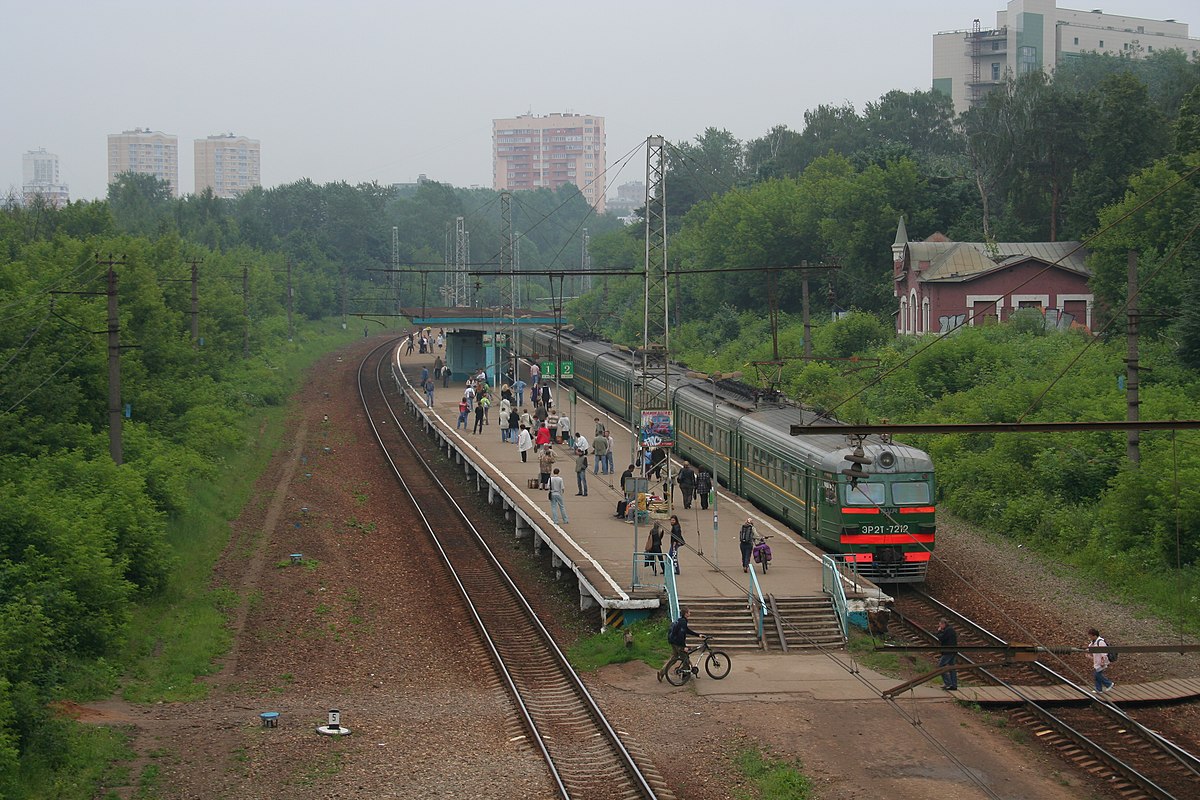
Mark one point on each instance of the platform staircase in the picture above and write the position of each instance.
(805, 623)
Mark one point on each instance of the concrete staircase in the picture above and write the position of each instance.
(807, 622)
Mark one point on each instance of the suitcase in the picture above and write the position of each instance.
(533, 483)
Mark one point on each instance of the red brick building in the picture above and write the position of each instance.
(941, 285)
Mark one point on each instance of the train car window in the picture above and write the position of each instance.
(910, 493)
(864, 494)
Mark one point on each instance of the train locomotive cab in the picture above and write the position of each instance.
(884, 522)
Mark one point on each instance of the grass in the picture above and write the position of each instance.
(649, 645)
(175, 637)
(862, 647)
(771, 779)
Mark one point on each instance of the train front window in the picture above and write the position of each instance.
(864, 494)
(910, 493)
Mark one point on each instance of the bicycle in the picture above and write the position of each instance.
(716, 664)
(762, 552)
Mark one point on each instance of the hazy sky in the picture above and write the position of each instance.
(383, 91)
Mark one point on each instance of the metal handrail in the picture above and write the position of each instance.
(761, 611)
(831, 584)
(669, 585)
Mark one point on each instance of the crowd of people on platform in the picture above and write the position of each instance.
(539, 430)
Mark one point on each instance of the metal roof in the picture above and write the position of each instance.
(958, 261)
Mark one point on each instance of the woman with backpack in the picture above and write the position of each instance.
(746, 542)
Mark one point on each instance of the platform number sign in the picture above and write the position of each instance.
(550, 369)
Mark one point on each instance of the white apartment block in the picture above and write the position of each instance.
(1038, 35)
(39, 178)
(532, 152)
(227, 164)
(145, 151)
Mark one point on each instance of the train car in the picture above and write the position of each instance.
(884, 523)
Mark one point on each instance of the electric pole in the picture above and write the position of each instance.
(245, 311)
(1132, 449)
(195, 304)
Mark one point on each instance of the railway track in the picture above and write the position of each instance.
(1101, 740)
(584, 754)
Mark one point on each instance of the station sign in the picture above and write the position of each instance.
(550, 369)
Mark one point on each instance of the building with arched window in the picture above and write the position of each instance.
(941, 285)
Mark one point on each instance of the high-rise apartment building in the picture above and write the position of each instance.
(531, 152)
(227, 164)
(146, 151)
(39, 178)
(1038, 35)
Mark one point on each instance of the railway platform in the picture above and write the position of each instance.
(597, 547)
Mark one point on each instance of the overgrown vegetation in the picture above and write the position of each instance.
(648, 644)
(770, 778)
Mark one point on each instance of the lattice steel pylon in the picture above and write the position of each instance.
(508, 286)
(655, 326)
(462, 256)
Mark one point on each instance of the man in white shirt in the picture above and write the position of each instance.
(557, 504)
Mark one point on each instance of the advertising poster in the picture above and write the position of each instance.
(658, 429)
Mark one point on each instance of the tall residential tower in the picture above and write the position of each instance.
(39, 178)
(531, 152)
(146, 151)
(227, 164)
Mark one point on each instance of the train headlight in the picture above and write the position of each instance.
(887, 459)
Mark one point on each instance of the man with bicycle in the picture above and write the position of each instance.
(677, 638)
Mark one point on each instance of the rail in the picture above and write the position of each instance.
(831, 584)
(640, 560)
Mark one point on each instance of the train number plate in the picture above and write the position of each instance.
(883, 529)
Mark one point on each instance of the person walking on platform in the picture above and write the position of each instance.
(558, 506)
(446, 376)
(599, 431)
(654, 548)
(676, 541)
(581, 472)
(687, 483)
(658, 459)
(524, 444)
(480, 410)
(545, 465)
(485, 400)
(464, 410)
(600, 451)
(948, 637)
(746, 542)
(547, 398)
(542, 436)
(609, 469)
(704, 485)
(535, 376)
(513, 423)
(424, 375)
(1100, 661)
(564, 428)
(518, 386)
(428, 392)
(552, 424)
(502, 419)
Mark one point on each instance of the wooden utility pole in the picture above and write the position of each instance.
(245, 311)
(291, 326)
(114, 365)
(1132, 448)
(195, 304)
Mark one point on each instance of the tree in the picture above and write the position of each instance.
(712, 165)
(141, 204)
(1125, 133)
